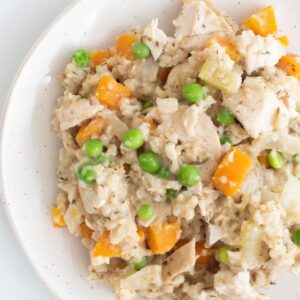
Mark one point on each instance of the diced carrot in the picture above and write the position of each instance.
(58, 218)
(163, 74)
(232, 171)
(263, 22)
(99, 57)
(88, 130)
(124, 44)
(105, 248)
(290, 64)
(141, 234)
(163, 237)
(110, 92)
(85, 231)
(227, 44)
(284, 40)
(205, 254)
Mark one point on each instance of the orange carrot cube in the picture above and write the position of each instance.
(232, 171)
(110, 92)
(205, 255)
(99, 57)
(263, 22)
(105, 248)
(124, 44)
(163, 237)
(290, 64)
(88, 130)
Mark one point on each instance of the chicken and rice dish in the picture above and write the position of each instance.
(180, 163)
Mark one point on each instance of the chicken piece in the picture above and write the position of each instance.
(195, 126)
(74, 110)
(147, 278)
(115, 126)
(257, 51)
(182, 260)
(191, 126)
(90, 197)
(252, 182)
(155, 38)
(235, 286)
(281, 141)
(214, 234)
(195, 42)
(236, 133)
(286, 88)
(197, 18)
(255, 106)
(167, 106)
(144, 70)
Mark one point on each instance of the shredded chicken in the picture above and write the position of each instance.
(155, 38)
(182, 260)
(259, 52)
(197, 18)
(256, 106)
(73, 111)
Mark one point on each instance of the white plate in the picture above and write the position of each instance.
(29, 147)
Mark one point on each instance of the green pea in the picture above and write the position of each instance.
(275, 159)
(145, 212)
(150, 162)
(147, 104)
(133, 139)
(225, 117)
(170, 193)
(225, 140)
(296, 158)
(141, 50)
(193, 92)
(222, 255)
(296, 237)
(138, 265)
(163, 172)
(189, 175)
(102, 158)
(81, 58)
(92, 148)
(86, 173)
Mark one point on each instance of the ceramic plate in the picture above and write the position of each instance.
(29, 147)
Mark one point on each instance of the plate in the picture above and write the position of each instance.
(29, 147)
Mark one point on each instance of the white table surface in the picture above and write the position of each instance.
(21, 23)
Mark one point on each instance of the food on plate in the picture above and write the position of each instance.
(180, 161)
